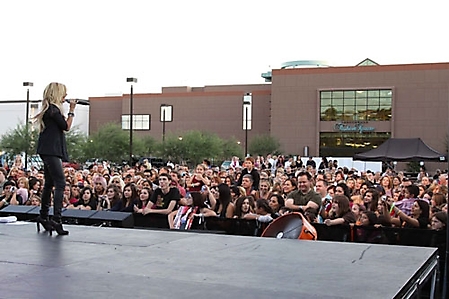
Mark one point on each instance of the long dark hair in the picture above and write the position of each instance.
(134, 194)
(198, 199)
(117, 194)
(224, 197)
(238, 205)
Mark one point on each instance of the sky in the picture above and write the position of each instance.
(92, 46)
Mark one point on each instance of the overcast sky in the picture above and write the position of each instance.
(93, 45)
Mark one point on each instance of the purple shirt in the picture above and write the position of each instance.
(405, 205)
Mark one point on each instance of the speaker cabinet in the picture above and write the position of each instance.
(291, 226)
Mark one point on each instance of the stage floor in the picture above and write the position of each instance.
(95, 262)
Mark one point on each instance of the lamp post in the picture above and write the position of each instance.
(166, 116)
(27, 116)
(247, 104)
(131, 80)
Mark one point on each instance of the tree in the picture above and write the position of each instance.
(18, 140)
(145, 146)
(230, 148)
(262, 145)
(76, 145)
(15, 142)
(110, 142)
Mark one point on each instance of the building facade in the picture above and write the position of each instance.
(324, 111)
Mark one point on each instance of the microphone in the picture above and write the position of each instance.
(79, 101)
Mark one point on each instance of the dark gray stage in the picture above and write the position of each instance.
(95, 262)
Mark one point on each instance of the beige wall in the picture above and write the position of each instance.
(420, 101)
(216, 109)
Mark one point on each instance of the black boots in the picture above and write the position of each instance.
(50, 225)
(57, 226)
(45, 222)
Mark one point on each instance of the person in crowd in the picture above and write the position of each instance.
(52, 149)
(276, 203)
(250, 169)
(341, 212)
(229, 180)
(130, 197)
(224, 207)
(198, 179)
(324, 164)
(112, 198)
(357, 209)
(18, 163)
(87, 200)
(9, 195)
(3, 175)
(117, 180)
(369, 230)
(264, 189)
(34, 201)
(342, 189)
(289, 186)
(144, 198)
(23, 186)
(321, 188)
(419, 216)
(74, 193)
(34, 186)
(164, 198)
(370, 199)
(305, 197)
(100, 186)
(437, 200)
(263, 212)
(243, 206)
(350, 182)
(311, 162)
(339, 177)
(386, 182)
(248, 184)
(236, 192)
(411, 193)
(425, 181)
(67, 195)
(439, 221)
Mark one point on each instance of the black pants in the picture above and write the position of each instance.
(54, 177)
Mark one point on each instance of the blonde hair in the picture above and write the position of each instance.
(54, 94)
(25, 182)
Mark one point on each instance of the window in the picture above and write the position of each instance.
(340, 144)
(140, 122)
(356, 105)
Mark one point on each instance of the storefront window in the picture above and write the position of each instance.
(338, 144)
(356, 105)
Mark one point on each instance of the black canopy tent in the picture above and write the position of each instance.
(402, 149)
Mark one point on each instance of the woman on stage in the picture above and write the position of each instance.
(53, 150)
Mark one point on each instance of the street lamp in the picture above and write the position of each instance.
(247, 104)
(166, 116)
(131, 80)
(27, 116)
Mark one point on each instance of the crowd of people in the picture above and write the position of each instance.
(261, 188)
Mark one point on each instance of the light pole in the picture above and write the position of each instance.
(27, 117)
(131, 80)
(247, 104)
(166, 116)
